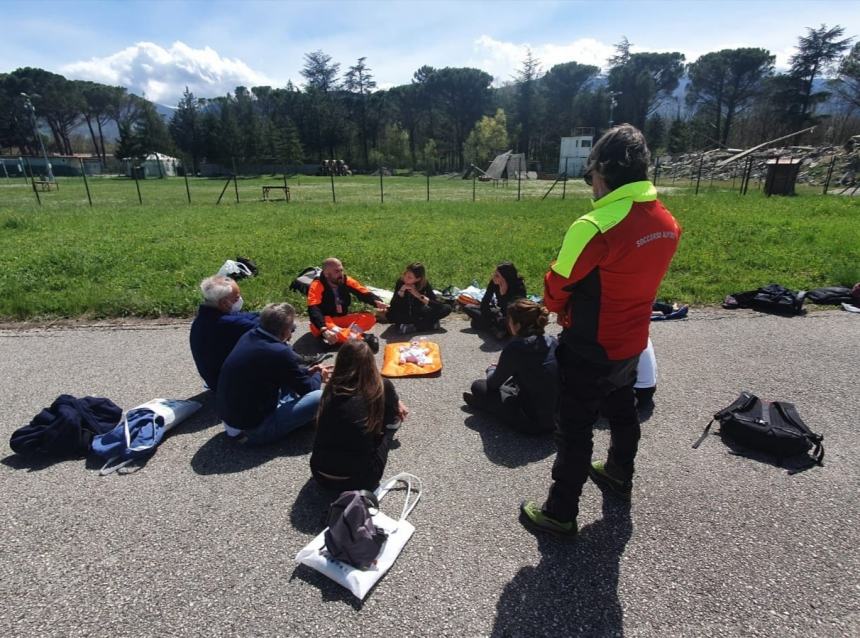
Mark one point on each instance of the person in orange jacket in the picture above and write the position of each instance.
(329, 296)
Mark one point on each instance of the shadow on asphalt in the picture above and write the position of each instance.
(574, 588)
(219, 455)
(488, 342)
(792, 465)
(309, 510)
(35, 463)
(308, 344)
(330, 591)
(503, 446)
(391, 334)
(203, 419)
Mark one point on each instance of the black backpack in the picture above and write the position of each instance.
(351, 536)
(302, 283)
(775, 428)
(771, 298)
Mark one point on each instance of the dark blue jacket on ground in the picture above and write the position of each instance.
(258, 371)
(213, 336)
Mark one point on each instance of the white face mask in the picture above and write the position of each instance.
(237, 305)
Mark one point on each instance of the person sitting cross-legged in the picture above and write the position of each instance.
(329, 296)
(414, 306)
(521, 391)
(264, 391)
(219, 324)
(359, 414)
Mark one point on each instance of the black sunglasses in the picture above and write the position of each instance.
(588, 177)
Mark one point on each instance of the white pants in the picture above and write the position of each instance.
(646, 371)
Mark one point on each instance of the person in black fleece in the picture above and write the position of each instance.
(414, 306)
(505, 286)
(358, 416)
(521, 390)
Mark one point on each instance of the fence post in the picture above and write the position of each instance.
(699, 174)
(187, 188)
(33, 182)
(656, 170)
(286, 188)
(564, 183)
(23, 169)
(235, 183)
(428, 184)
(86, 184)
(136, 183)
(333, 199)
(829, 175)
(474, 184)
(381, 194)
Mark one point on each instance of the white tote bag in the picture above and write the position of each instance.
(359, 581)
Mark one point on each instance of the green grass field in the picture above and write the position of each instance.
(65, 259)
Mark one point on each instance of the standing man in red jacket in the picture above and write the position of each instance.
(602, 286)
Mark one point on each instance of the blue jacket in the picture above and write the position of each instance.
(255, 375)
(213, 336)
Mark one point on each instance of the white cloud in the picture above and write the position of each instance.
(162, 74)
(502, 59)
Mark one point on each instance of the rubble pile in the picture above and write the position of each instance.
(815, 162)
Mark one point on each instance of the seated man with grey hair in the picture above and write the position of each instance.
(264, 391)
(219, 324)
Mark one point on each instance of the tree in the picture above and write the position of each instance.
(561, 85)
(487, 139)
(143, 133)
(817, 51)
(847, 82)
(320, 72)
(358, 80)
(655, 132)
(463, 96)
(186, 128)
(723, 84)
(527, 107)
(678, 137)
(641, 81)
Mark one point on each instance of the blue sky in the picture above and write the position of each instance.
(158, 46)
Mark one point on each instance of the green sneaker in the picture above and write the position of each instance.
(605, 481)
(534, 520)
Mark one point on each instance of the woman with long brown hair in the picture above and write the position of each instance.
(358, 416)
(521, 389)
(414, 306)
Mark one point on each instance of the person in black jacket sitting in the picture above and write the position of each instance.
(413, 306)
(358, 416)
(522, 389)
(505, 286)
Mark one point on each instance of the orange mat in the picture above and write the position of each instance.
(391, 366)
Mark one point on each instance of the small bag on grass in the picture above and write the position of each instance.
(774, 428)
(318, 555)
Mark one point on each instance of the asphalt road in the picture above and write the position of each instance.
(201, 540)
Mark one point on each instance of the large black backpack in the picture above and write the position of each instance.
(774, 428)
(303, 281)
